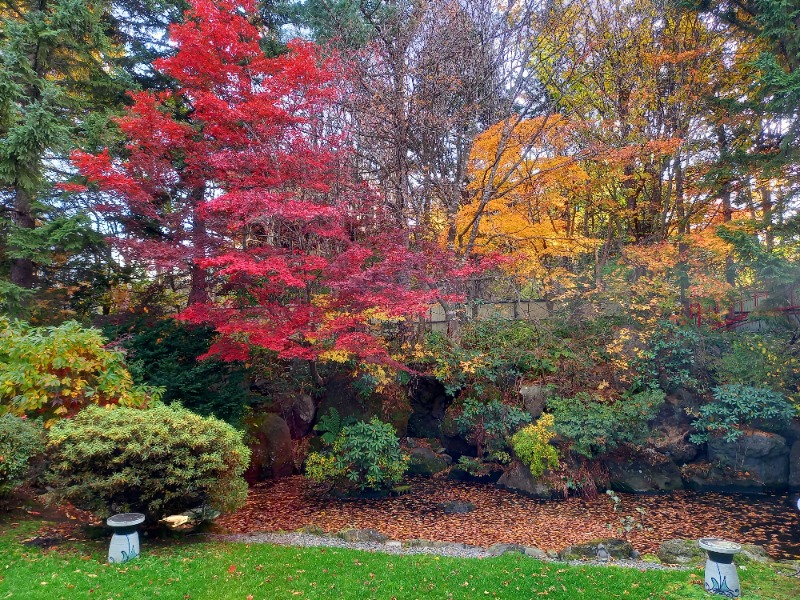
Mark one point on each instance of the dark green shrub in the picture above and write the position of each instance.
(759, 360)
(494, 351)
(365, 456)
(736, 406)
(674, 350)
(489, 425)
(20, 441)
(165, 354)
(595, 427)
(160, 461)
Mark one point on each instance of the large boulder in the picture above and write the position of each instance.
(426, 462)
(270, 444)
(454, 444)
(681, 552)
(794, 467)
(648, 472)
(518, 478)
(763, 455)
(298, 410)
(428, 404)
(616, 548)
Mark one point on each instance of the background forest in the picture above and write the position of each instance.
(548, 239)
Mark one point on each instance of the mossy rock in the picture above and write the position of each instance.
(362, 535)
(312, 529)
(651, 558)
(681, 552)
(751, 553)
(425, 462)
(500, 549)
(616, 548)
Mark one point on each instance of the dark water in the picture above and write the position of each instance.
(772, 521)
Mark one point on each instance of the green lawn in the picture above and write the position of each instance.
(240, 571)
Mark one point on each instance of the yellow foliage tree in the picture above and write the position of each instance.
(530, 213)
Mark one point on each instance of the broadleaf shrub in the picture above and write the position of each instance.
(494, 351)
(595, 426)
(736, 406)
(20, 441)
(532, 446)
(159, 461)
(365, 456)
(55, 371)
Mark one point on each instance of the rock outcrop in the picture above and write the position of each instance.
(518, 478)
(762, 456)
(271, 447)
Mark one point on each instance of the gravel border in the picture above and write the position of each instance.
(309, 540)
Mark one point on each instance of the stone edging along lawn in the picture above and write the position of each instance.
(621, 554)
(308, 540)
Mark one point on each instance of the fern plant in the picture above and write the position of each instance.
(329, 426)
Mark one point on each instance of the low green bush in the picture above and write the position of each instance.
(532, 446)
(20, 441)
(365, 456)
(736, 406)
(159, 461)
(595, 427)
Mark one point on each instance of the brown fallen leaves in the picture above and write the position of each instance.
(500, 516)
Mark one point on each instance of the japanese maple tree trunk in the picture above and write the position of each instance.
(198, 291)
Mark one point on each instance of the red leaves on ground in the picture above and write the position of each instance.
(500, 516)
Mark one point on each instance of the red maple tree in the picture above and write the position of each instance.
(238, 177)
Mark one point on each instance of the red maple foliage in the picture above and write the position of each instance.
(238, 176)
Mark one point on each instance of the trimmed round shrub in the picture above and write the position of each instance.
(366, 456)
(159, 461)
(20, 441)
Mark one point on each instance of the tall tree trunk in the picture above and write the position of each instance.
(22, 269)
(766, 215)
(725, 195)
(683, 230)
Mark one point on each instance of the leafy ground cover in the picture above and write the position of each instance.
(503, 517)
